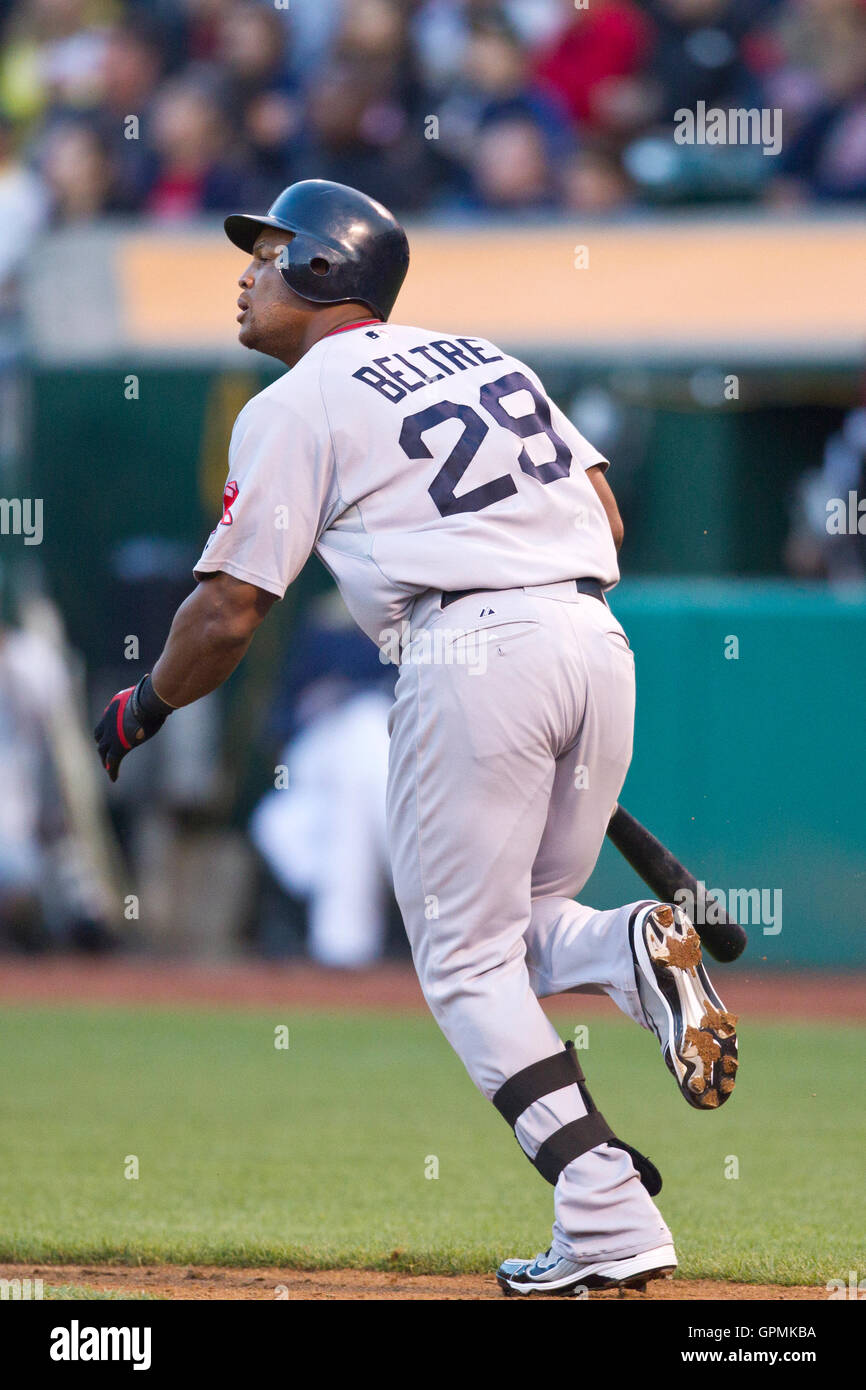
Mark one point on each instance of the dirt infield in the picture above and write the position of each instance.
(177, 1283)
(752, 992)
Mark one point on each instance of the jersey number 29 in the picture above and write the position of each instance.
(475, 429)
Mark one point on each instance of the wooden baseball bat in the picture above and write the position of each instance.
(663, 873)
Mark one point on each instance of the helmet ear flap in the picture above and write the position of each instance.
(315, 271)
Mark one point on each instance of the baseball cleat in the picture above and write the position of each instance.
(697, 1034)
(552, 1274)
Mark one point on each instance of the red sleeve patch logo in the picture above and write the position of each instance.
(230, 496)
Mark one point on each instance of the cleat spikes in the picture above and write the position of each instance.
(696, 1032)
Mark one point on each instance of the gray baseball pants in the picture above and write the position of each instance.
(511, 735)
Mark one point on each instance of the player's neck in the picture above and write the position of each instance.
(337, 318)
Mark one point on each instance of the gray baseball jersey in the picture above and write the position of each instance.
(408, 460)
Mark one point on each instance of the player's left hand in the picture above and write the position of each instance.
(130, 718)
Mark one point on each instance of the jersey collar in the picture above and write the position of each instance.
(348, 327)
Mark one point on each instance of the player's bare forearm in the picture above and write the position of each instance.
(608, 501)
(209, 636)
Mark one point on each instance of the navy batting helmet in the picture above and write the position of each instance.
(346, 247)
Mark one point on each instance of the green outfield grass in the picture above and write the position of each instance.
(315, 1156)
(63, 1293)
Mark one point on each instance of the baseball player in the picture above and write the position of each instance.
(473, 535)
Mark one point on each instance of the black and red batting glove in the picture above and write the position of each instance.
(129, 719)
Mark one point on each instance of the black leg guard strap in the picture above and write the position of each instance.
(568, 1143)
(550, 1074)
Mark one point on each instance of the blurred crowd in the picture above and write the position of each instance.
(180, 108)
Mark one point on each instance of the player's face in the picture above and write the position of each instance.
(272, 319)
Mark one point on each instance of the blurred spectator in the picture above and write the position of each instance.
(828, 522)
(442, 29)
(604, 44)
(493, 89)
(804, 53)
(194, 174)
(827, 160)
(253, 53)
(133, 66)
(696, 54)
(811, 57)
(827, 157)
(78, 174)
(323, 835)
(322, 830)
(365, 113)
(23, 208)
(594, 181)
(203, 23)
(313, 28)
(49, 887)
(511, 169)
(52, 56)
(22, 763)
(361, 133)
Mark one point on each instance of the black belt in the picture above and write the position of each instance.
(583, 586)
